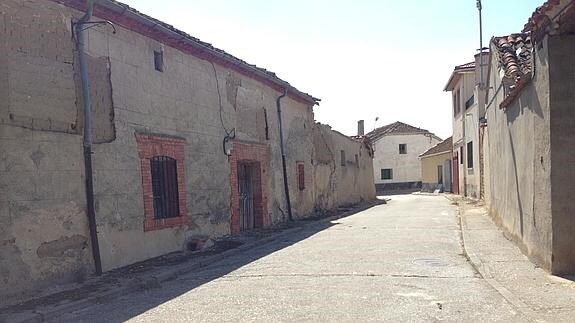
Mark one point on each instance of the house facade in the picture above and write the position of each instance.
(396, 161)
(436, 167)
(468, 107)
(189, 143)
(530, 116)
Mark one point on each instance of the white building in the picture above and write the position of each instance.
(396, 162)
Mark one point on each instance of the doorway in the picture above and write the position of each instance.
(249, 195)
(246, 195)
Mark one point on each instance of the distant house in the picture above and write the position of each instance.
(396, 159)
(436, 167)
(468, 109)
(530, 137)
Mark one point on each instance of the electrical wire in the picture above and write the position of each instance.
(230, 134)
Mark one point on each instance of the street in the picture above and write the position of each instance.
(402, 261)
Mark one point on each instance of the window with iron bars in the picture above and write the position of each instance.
(165, 187)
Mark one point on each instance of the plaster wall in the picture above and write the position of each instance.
(429, 166)
(463, 125)
(406, 167)
(43, 230)
(337, 184)
(519, 160)
(184, 100)
(562, 99)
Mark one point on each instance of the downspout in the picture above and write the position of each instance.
(87, 142)
(286, 186)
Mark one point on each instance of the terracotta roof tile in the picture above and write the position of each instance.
(514, 56)
(442, 147)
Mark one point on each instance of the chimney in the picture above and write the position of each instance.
(360, 131)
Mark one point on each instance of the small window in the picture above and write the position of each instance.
(159, 61)
(403, 149)
(461, 155)
(165, 187)
(470, 154)
(342, 155)
(357, 160)
(387, 173)
(301, 176)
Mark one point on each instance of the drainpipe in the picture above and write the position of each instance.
(87, 142)
(286, 186)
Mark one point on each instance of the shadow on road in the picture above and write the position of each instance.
(154, 296)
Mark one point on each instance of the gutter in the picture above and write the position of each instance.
(285, 177)
(87, 141)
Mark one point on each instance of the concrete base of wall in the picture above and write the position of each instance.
(403, 186)
(430, 187)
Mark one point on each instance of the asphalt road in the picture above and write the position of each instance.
(397, 262)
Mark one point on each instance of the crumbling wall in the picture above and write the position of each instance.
(340, 182)
(43, 227)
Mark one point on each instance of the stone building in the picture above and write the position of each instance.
(530, 136)
(186, 144)
(396, 161)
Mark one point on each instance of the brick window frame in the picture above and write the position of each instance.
(150, 146)
(300, 176)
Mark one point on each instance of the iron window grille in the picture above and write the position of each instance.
(387, 173)
(165, 187)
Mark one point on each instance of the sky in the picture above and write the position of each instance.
(364, 59)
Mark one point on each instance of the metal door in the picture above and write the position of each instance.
(246, 196)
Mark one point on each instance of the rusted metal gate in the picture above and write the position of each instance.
(246, 196)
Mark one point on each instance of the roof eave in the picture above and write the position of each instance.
(203, 51)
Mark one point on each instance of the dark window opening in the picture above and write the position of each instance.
(300, 176)
(469, 102)
(165, 187)
(470, 154)
(159, 61)
(461, 155)
(387, 173)
(403, 149)
(266, 121)
(342, 155)
(357, 160)
(440, 174)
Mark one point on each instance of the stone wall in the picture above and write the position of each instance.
(338, 181)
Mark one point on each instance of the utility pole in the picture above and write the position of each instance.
(479, 8)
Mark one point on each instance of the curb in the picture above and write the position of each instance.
(485, 272)
(156, 281)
